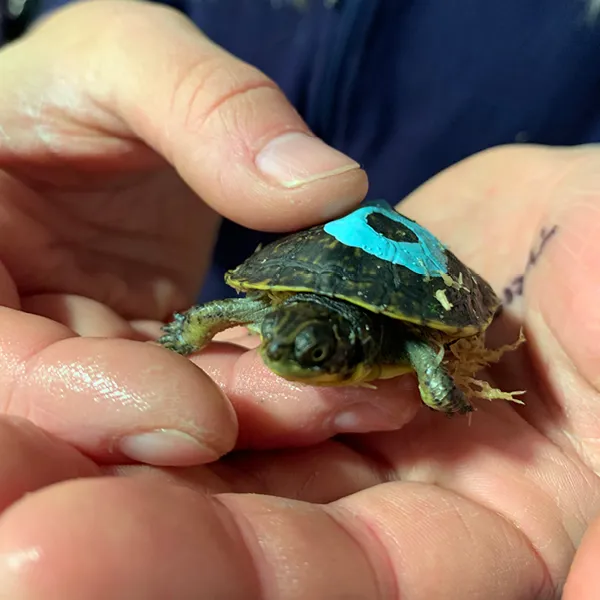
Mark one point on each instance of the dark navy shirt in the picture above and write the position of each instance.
(409, 87)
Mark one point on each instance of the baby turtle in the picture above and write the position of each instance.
(368, 296)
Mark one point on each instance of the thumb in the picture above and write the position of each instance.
(225, 126)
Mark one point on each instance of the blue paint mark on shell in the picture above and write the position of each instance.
(426, 257)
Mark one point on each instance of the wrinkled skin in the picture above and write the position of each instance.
(418, 506)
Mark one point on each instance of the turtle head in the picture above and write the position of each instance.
(314, 342)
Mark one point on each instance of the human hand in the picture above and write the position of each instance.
(115, 118)
(442, 508)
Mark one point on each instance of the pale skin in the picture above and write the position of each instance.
(421, 507)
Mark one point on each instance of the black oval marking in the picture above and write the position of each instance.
(392, 230)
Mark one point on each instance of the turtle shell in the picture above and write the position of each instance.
(380, 260)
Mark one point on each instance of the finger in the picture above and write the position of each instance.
(226, 127)
(392, 541)
(32, 459)
(321, 473)
(113, 399)
(45, 540)
(147, 330)
(48, 557)
(434, 543)
(150, 330)
(273, 412)
(84, 316)
(583, 582)
(239, 336)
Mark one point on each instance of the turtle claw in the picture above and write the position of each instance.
(173, 339)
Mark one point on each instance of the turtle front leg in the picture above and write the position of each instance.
(192, 330)
(438, 389)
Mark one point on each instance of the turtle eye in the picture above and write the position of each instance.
(318, 353)
(314, 355)
(313, 347)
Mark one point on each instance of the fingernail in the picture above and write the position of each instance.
(294, 159)
(362, 419)
(165, 447)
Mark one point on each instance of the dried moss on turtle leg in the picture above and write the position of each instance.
(468, 356)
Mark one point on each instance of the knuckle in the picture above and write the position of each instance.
(209, 85)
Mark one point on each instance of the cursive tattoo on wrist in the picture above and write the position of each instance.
(516, 286)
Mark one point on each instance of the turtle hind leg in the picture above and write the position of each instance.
(193, 329)
(438, 389)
